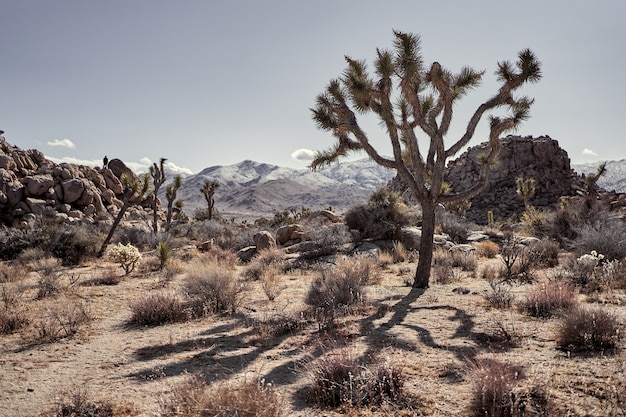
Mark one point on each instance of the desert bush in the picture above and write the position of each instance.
(76, 243)
(65, 320)
(226, 257)
(588, 329)
(247, 398)
(105, 276)
(127, 256)
(534, 221)
(326, 239)
(173, 268)
(399, 252)
(212, 289)
(500, 295)
(279, 324)
(31, 256)
(135, 235)
(157, 309)
(548, 299)
(544, 253)
(381, 218)
(456, 227)
(270, 281)
(339, 378)
(79, 405)
(493, 385)
(593, 273)
(49, 277)
(605, 236)
(334, 289)
(465, 260)
(487, 249)
(12, 272)
(363, 269)
(12, 316)
(263, 260)
(518, 263)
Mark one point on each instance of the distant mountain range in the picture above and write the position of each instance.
(613, 179)
(254, 189)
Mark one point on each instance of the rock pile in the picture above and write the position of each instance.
(31, 185)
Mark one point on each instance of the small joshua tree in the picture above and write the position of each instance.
(209, 190)
(525, 189)
(158, 178)
(134, 190)
(170, 193)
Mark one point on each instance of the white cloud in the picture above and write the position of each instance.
(589, 152)
(63, 143)
(76, 161)
(303, 154)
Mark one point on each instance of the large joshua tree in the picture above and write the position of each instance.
(414, 104)
(157, 172)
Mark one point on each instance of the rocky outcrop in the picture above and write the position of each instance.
(31, 184)
(527, 157)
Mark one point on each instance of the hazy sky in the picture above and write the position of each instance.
(207, 83)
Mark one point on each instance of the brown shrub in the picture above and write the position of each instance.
(194, 398)
(493, 384)
(263, 260)
(79, 405)
(212, 289)
(588, 329)
(500, 295)
(63, 321)
(544, 253)
(487, 249)
(157, 309)
(12, 273)
(106, 276)
(548, 299)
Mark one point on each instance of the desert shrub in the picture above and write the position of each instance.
(518, 262)
(588, 329)
(325, 239)
(381, 218)
(76, 243)
(226, 257)
(339, 378)
(12, 316)
(105, 276)
(157, 309)
(399, 252)
(593, 273)
(79, 405)
(544, 253)
(548, 299)
(534, 221)
(194, 398)
(363, 269)
(456, 227)
(500, 295)
(12, 272)
(465, 260)
(127, 256)
(334, 289)
(492, 388)
(487, 249)
(212, 289)
(173, 268)
(278, 325)
(263, 260)
(605, 236)
(31, 256)
(65, 320)
(49, 278)
(270, 281)
(135, 235)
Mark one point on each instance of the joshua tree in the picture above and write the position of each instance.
(134, 190)
(408, 98)
(525, 189)
(158, 178)
(592, 180)
(209, 190)
(170, 193)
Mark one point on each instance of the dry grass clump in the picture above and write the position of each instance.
(79, 405)
(465, 260)
(212, 289)
(12, 315)
(105, 276)
(218, 254)
(267, 258)
(362, 268)
(278, 325)
(492, 390)
(500, 295)
(487, 249)
(544, 253)
(588, 329)
(48, 281)
(548, 299)
(194, 398)
(12, 273)
(270, 281)
(156, 309)
(65, 320)
(339, 378)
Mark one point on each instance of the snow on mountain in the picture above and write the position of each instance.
(613, 179)
(250, 187)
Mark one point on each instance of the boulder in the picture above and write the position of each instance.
(246, 254)
(290, 232)
(72, 190)
(37, 185)
(264, 240)
(411, 237)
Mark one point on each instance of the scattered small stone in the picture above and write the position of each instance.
(461, 290)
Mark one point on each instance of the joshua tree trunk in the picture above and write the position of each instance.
(116, 223)
(422, 274)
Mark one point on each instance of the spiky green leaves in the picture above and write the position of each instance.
(528, 69)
